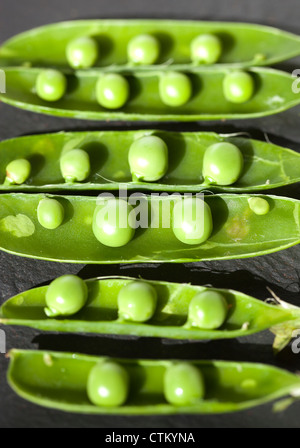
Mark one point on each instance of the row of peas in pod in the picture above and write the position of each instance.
(112, 90)
(107, 384)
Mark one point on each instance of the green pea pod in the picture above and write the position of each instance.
(266, 165)
(246, 315)
(207, 100)
(60, 382)
(238, 232)
(242, 44)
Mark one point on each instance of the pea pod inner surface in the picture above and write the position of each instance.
(245, 315)
(207, 101)
(237, 231)
(60, 379)
(46, 45)
(265, 165)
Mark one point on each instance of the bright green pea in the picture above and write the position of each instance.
(206, 49)
(238, 87)
(51, 85)
(192, 220)
(259, 205)
(137, 301)
(114, 222)
(50, 213)
(108, 384)
(82, 52)
(17, 172)
(65, 296)
(148, 158)
(143, 49)
(112, 91)
(183, 384)
(222, 164)
(75, 165)
(208, 310)
(175, 89)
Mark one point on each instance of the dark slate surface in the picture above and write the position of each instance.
(279, 271)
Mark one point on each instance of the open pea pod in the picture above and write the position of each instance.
(60, 382)
(265, 165)
(242, 44)
(171, 317)
(207, 100)
(237, 231)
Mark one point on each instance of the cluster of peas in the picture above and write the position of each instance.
(113, 90)
(108, 382)
(148, 161)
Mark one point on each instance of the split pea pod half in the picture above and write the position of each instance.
(155, 95)
(158, 228)
(146, 160)
(87, 384)
(146, 43)
(144, 308)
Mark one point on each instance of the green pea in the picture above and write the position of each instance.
(208, 310)
(112, 91)
(222, 164)
(259, 205)
(108, 384)
(192, 221)
(50, 213)
(175, 89)
(82, 52)
(137, 301)
(148, 158)
(65, 296)
(206, 49)
(183, 384)
(143, 49)
(75, 165)
(17, 172)
(114, 222)
(51, 85)
(238, 87)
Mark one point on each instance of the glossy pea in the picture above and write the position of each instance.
(238, 87)
(192, 220)
(137, 301)
(143, 49)
(108, 384)
(208, 310)
(259, 206)
(82, 52)
(50, 213)
(206, 49)
(75, 165)
(17, 172)
(222, 164)
(51, 85)
(183, 384)
(175, 89)
(112, 91)
(148, 158)
(114, 222)
(65, 296)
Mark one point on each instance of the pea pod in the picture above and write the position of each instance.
(242, 44)
(101, 314)
(265, 165)
(207, 101)
(60, 382)
(238, 232)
